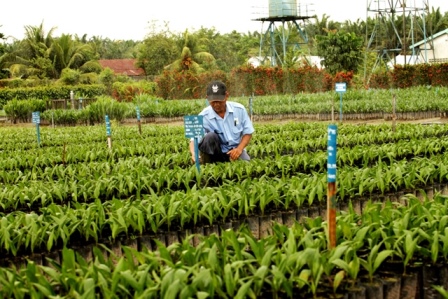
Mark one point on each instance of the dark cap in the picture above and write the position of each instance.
(216, 91)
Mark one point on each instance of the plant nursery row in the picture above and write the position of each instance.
(137, 219)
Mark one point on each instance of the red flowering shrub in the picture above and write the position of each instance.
(410, 75)
(126, 91)
(276, 80)
(380, 80)
(247, 80)
(438, 74)
(185, 85)
(346, 77)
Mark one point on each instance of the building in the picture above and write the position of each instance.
(402, 60)
(124, 67)
(302, 60)
(433, 49)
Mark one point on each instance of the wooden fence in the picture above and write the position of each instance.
(69, 104)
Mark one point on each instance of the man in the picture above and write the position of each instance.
(227, 126)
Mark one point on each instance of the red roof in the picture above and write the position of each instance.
(122, 66)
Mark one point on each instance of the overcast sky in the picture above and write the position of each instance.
(130, 19)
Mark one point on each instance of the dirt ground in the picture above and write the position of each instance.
(437, 120)
(179, 122)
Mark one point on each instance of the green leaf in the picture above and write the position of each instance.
(229, 280)
(212, 258)
(130, 280)
(43, 290)
(89, 288)
(341, 264)
(381, 257)
(261, 272)
(267, 258)
(304, 277)
(435, 247)
(243, 290)
(338, 278)
(202, 295)
(68, 261)
(173, 289)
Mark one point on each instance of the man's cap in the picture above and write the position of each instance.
(216, 91)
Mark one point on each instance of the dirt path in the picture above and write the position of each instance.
(179, 122)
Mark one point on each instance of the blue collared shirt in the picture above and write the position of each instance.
(231, 129)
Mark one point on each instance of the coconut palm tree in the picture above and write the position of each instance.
(31, 56)
(436, 21)
(67, 53)
(41, 55)
(193, 58)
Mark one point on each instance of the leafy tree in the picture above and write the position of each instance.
(3, 72)
(2, 37)
(250, 44)
(97, 44)
(341, 51)
(358, 27)
(231, 49)
(435, 22)
(119, 49)
(158, 50)
(105, 48)
(319, 27)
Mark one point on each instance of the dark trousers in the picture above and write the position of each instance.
(210, 148)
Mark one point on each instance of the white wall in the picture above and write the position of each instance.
(440, 51)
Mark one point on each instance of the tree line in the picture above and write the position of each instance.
(341, 45)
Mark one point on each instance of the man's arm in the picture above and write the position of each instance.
(236, 152)
(192, 151)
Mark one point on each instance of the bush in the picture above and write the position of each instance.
(66, 117)
(106, 106)
(89, 78)
(127, 91)
(21, 110)
(69, 76)
(107, 77)
(50, 92)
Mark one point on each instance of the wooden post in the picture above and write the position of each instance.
(250, 107)
(331, 188)
(332, 112)
(394, 116)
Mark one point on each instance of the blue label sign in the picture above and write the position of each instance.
(331, 150)
(341, 87)
(107, 125)
(36, 117)
(193, 126)
(138, 112)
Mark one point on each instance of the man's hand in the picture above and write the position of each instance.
(191, 146)
(234, 153)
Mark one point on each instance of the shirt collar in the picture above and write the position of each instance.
(229, 109)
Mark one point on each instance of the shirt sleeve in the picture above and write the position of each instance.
(248, 127)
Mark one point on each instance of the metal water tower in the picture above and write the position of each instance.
(397, 26)
(276, 39)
